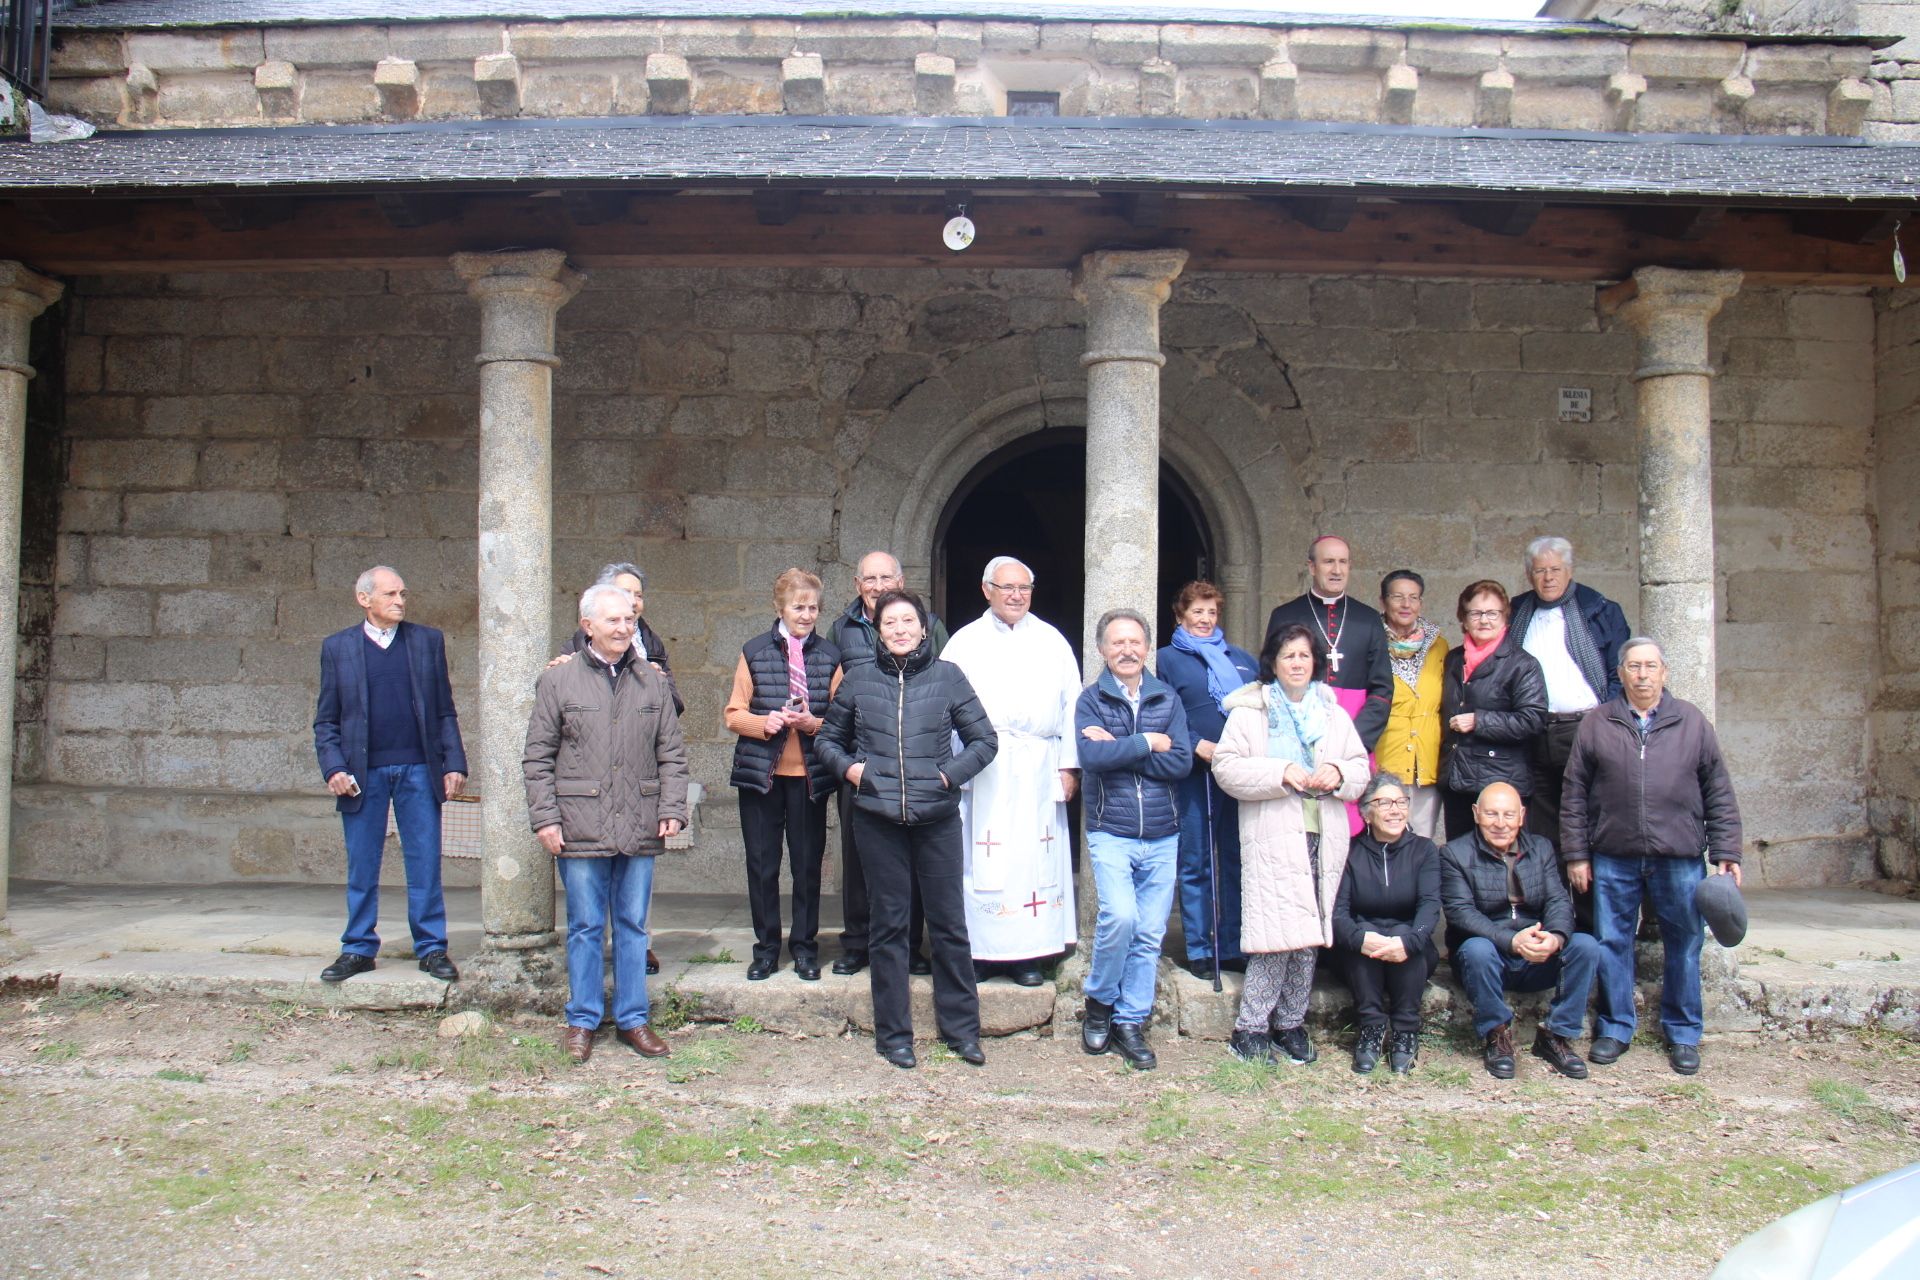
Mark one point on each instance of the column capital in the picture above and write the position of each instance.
(1669, 309)
(520, 293)
(26, 290)
(1122, 290)
(24, 294)
(1140, 273)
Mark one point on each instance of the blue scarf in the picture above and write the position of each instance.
(1294, 728)
(1222, 676)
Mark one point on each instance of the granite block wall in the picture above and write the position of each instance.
(237, 447)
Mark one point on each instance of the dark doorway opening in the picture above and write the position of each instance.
(1029, 500)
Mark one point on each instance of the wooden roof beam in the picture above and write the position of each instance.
(1678, 222)
(1847, 226)
(1503, 217)
(406, 210)
(1321, 213)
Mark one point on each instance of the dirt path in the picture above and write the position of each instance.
(189, 1139)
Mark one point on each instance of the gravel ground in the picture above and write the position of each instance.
(167, 1138)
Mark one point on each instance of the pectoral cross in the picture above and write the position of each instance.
(1333, 662)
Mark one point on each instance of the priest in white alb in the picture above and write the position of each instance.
(1019, 864)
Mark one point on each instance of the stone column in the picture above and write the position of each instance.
(1669, 311)
(519, 295)
(24, 294)
(1123, 291)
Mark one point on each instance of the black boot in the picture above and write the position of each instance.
(1096, 1026)
(1366, 1050)
(1130, 1041)
(1406, 1046)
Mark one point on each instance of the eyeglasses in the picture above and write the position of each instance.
(1413, 598)
(878, 579)
(1381, 802)
(1012, 588)
(1485, 615)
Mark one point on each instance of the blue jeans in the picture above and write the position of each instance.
(1487, 972)
(619, 886)
(1196, 869)
(1667, 885)
(1134, 879)
(414, 795)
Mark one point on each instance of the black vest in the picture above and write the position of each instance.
(766, 655)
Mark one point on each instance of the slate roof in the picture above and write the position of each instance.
(1251, 157)
(201, 13)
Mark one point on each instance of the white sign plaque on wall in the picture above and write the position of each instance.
(1576, 404)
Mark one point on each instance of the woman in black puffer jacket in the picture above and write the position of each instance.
(1493, 702)
(889, 734)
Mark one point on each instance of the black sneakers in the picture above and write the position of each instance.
(1367, 1049)
(1294, 1045)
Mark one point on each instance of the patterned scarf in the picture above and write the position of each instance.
(1222, 676)
(1580, 646)
(796, 666)
(1294, 728)
(1408, 656)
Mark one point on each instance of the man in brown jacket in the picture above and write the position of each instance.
(606, 776)
(1647, 793)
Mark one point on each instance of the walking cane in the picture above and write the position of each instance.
(1213, 878)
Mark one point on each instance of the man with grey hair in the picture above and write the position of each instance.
(1018, 874)
(1134, 752)
(1647, 796)
(856, 635)
(387, 735)
(1575, 634)
(647, 643)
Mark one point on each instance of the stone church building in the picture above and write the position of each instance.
(495, 293)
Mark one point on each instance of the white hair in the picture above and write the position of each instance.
(891, 559)
(609, 572)
(1543, 546)
(998, 563)
(590, 599)
(1642, 642)
(363, 585)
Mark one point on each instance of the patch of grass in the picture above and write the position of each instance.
(182, 1077)
(1442, 1072)
(1240, 1079)
(81, 1001)
(55, 1051)
(747, 1025)
(424, 1122)
(701, 1058)
(1168, 1118)
(1689, 1091)
(215, 1189)
(674, 1008)
(486, 1060)
(344, 1068)
(658, 1144)
(240, 1051)
(722, 956)
(1853, 1104)
(404, 1059)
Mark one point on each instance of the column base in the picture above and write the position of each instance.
(527, 975)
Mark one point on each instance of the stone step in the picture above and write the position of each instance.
(245, 978)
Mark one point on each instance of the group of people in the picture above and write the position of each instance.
(1339, 791)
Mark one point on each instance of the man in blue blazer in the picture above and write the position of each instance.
(387, 734)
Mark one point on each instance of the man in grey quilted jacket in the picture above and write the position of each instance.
(606, 776)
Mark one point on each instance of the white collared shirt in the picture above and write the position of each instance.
(1546, 640)
(383, 638)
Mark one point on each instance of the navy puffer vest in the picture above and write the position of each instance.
(766, 655)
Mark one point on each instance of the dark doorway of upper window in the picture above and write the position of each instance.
(1029, 500)
(1026, 103)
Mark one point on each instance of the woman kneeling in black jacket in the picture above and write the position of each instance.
(889, 734)
(1383, 921)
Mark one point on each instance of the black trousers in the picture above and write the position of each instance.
(1389, 994)
(784, 811)
(1550, 753)
(855, 910)
(894, 855)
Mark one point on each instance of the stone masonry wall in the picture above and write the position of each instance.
(1896, 476)
(239, 446)
(1895, 113)
(353, 73)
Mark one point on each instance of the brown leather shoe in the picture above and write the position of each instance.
(1557, 1053)
(1498, 1054)
(644, 1041)
(578, 1043)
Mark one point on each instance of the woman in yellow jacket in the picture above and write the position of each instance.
(1410, 744)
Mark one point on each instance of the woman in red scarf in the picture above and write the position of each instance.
(1493, 702)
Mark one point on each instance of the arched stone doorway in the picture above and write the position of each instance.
(1028, 499)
